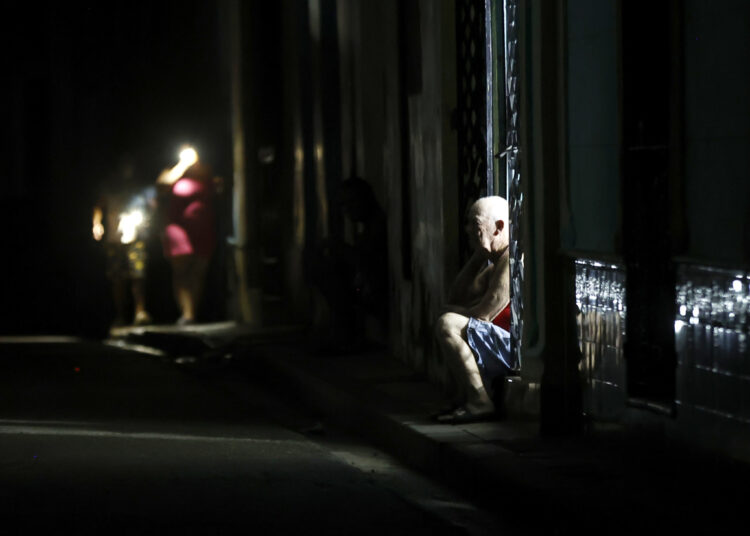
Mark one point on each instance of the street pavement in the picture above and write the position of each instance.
(100, 440)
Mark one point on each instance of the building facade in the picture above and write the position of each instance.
(613, 128)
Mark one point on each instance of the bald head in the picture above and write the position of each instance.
(487, 225)
(489, 208)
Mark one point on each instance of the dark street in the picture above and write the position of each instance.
(101, 440)
(375, 267)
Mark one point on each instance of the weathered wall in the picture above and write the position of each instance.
(416, 297)
(394, 133)
(420, 298)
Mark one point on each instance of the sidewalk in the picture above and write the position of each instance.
(610, 481)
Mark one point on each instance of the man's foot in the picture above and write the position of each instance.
(450, 407)
(462, 415)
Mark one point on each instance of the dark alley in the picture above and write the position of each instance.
(375, 267)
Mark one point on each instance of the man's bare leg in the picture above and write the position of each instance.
(451, 334)
(444, 330)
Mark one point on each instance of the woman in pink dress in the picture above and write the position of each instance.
(189, 235)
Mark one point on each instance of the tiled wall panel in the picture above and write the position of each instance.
(711, 328)
(711, 340)
(600, 297)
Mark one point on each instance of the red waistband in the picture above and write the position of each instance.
(503, 319)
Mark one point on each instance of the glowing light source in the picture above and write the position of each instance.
(128, 226)
(683, 310)
(188, 156)
(737, 285)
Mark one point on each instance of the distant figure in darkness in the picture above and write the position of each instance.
(473, 332)
(353, 276)
(121, 221)
(189, 233)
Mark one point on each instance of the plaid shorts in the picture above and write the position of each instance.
(126, 260)
(491, 346)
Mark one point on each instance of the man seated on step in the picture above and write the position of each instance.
(472, 333)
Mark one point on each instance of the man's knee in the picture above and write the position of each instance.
(441, 328)
(449, 325)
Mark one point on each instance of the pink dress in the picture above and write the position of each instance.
(190, 227)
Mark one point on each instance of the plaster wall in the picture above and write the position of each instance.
(417, 297)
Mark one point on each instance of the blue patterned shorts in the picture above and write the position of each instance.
(491, 346)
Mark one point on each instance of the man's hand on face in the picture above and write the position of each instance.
(481, 254)
(478, 259)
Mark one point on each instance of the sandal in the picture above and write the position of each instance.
(461, 415)
(444, 410)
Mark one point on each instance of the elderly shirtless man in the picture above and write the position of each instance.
(473, 332)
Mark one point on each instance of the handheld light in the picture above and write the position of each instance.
(128, 226)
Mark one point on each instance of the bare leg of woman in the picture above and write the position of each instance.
(181, 266)
(196, 281)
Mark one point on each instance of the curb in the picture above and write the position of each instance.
(549, 485)
(489, 474)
